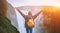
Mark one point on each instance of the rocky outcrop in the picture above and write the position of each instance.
(7, 18)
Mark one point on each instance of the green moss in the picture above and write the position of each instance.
(6, 27)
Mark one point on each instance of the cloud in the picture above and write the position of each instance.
(16, 3)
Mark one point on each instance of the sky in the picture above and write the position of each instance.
(17, 3)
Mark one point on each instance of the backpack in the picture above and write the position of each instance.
(30, 23)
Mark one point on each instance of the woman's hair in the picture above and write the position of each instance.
(30, 13)
(3, 7)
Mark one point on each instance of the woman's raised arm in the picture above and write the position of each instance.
(21, 13)
(36, 15)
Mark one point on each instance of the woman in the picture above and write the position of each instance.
(27, 18)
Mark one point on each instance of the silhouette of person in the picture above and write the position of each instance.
(29, 16)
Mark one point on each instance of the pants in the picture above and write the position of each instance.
(29, 30)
